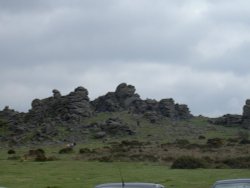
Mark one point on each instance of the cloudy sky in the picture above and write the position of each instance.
(195, 51)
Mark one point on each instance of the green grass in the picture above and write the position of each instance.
(80, 174)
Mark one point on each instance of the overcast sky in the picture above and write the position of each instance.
(194, 51)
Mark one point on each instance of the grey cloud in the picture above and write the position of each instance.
(161, 47)
(74, 34)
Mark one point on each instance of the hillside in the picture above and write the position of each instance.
(73, 116)
(120, 126)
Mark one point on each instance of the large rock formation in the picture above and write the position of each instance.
(48, 116)
(72, 107)
(125, 98)
(121, 99)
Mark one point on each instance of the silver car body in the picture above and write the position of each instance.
(232, 183)
(130, 185)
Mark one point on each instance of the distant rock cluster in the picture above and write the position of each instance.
(70, 110)
(234, 119)
(76, 106)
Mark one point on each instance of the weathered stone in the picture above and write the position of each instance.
(182, 111)
(167, 108)
(227, 120)
(246, 115)
(56, 93)
(125, 98)
(72, 107)
(124, 91)
(152, 116)
(115, 126)
(121, 99)
(100, 134)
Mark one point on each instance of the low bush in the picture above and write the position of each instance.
(41, 157)
(182, 142)
(11, 151)
(215, 142)
(66, 150)
(36, 152)
(201, 137)
(244, 141)
(239, 162)
(85, 150)
(188, 162)
(233, 140)
(105, 159)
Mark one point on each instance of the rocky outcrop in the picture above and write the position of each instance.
(58, 112)
(246, 114)
(112, 127)
(227, 120)
(125, 98)
(121, 99)
(167, 108)
(72, 107)
(232, 119)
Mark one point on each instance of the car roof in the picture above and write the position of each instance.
(129, 185)
(234, 181)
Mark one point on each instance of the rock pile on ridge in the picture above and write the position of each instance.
(58, 112)
(234, 119)
(72, 107)
(125, 98)
(76, 106)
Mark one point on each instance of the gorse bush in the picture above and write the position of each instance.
(239, 162)
(215, 142)
(66, 150)
(11, 151)
(188, 162)
(182, 141)
(85, 150)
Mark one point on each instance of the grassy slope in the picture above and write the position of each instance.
(168, 131)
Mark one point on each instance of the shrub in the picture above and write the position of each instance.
(167, 158)
(201, 137)
(188, 162)
(233, 140)
(131, 143)
(215, 142)
(245, 141)
(84, 150)
(11, 151)
(66, 150)
(41, 157)
(36, 152)
(40, 151)
(239, 162)
(105, 159)
(182, 142)
(243, 135)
